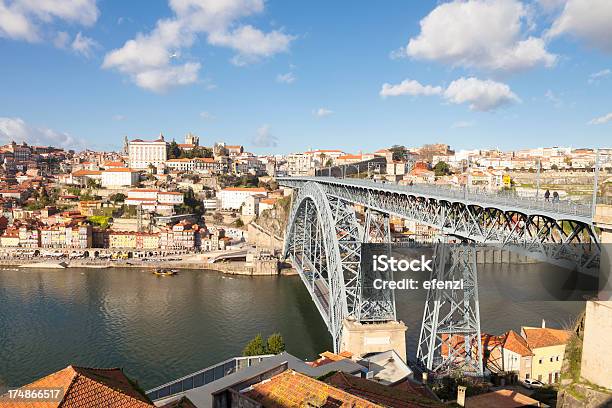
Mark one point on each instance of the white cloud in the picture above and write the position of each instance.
(118, 118)
(160, 79)
(322, 112)
(597, 76)
(152, 54)
(553, 98)
(409, 87)
(488, 34)
(588, 20)
(462, 124)
(83, 45)
(481, 95)
(287, 78)
(601, 120)
(22, 19)
(16, 129)
(251, 43)
(264, 138)
(206, 115)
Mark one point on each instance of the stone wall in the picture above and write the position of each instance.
(596, 356)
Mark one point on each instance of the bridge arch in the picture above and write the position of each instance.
(323, 242)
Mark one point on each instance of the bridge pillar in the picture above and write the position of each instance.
(603, 220)
(362, 338)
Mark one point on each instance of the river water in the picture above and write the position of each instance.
(158, 329)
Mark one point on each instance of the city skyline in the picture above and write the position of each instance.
(280, 78)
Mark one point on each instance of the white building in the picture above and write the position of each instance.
(119, 177)
(162, 202)
(299, 164)
(143, 153)
(232, 198)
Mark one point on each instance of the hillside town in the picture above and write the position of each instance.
(162, 198)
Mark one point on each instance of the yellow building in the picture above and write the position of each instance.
(548, 348)
(148, 241)
(120, 239)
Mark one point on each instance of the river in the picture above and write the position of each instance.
(158, 329)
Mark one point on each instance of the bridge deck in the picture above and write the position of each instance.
(565, 209)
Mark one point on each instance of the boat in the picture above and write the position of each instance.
(165, 272)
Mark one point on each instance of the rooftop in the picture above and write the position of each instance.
(537, 337)
(292, 389)
(86, 387)
(501, 399)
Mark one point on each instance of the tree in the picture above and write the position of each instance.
(441, 169)
(191, 204)
(554, 167)
(174, 151)
(399, 152)
(239, 223)
(117, 198)
(255, 347)
(276, 344)
(91, 183)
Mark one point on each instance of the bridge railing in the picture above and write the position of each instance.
(502, 198)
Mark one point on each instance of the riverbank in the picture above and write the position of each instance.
(196, 261)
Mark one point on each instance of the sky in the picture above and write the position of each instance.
(286, 76)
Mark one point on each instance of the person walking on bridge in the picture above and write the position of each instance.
(547, 195)
(555, 197)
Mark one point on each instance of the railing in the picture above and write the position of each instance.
(204, 376)
(506, 199)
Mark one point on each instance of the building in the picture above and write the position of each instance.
(119, 177)
(299, 164)
(548, 348)
(232, 198)
(508, 353)
(144, 153)
(66, 236)
(501, 399)
(162, 202)
(181, 236)
(85, 387)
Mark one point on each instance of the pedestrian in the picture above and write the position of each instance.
(547, 195)
(555, 197)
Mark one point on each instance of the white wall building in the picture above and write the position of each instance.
(119, 177)
(232, 198)
(142, 153)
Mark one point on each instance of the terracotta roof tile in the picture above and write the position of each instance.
(501, 399)
(292, 389)
(88, 388)
(544, 337)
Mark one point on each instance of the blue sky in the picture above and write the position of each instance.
(283, 76)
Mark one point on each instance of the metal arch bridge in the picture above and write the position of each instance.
(324, 237)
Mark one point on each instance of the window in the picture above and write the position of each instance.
(551, 359)
(557, 358)
(540, 361)
(527, 376)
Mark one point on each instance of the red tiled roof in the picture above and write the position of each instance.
(514, 342)
(86, 388)
(292, 389)
(537, 337)
(381, 394)
(83, 172)
(119, 170)
(501, 399)
(253, 189)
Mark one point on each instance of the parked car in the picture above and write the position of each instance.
(531, 384)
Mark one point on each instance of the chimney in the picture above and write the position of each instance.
(461, 395)
(543, 323)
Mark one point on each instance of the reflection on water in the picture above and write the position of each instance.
(158, 329)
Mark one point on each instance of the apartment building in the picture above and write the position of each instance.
(299, 164)
(232, 198)
(119, 177)
(181, 236)
(143, 153)
(66, 236)
(548, 348)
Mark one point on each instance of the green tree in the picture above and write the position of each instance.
(117, 198)
(255, 347)
(441, 169)
(239, 223)
(399, 152)
(554, 167)
(174, 151)
(91, 183)
(276, 344)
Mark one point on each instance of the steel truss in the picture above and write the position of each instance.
(559, 235)
(323, 242)
(450, 333)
